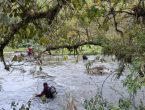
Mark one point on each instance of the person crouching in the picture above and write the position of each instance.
(48, 92)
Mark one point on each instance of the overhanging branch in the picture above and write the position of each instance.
(75, 46)
(69, 47)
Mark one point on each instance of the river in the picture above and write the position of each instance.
(70, 79)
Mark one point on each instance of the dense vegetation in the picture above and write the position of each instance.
(116, 25)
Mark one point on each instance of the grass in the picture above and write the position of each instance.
(91, 49)
(9, 49)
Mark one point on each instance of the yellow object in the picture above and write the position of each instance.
(43, 98)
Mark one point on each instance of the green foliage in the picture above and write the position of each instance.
(132, 83)
(120, 70)
(9, 49)
(121, 51)
(124, 104)
(96, 103)
(14, 106)
(18, 58)
(90, 50)
(78, 4)
(94, 12)
(65, 57)
(141, 106)
(44, 41)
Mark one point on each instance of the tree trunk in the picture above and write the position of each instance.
(3, 59)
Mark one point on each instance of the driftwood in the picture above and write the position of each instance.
(98, 70)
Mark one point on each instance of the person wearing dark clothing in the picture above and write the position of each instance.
(30, 51)
(85, 57)
(47, 91)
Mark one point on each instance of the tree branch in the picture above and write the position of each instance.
(50, 15)
(50, 47)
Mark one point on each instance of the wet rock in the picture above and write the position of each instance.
(85, 57)
(99, 70)
(102, 60)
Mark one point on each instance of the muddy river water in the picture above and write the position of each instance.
(70, 79)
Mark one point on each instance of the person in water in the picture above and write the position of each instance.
(30, 51)
(48, 92)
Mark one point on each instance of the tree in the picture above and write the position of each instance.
(70, 22)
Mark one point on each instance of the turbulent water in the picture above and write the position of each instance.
(69, 78)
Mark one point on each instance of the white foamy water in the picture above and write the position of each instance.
(69, 78)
